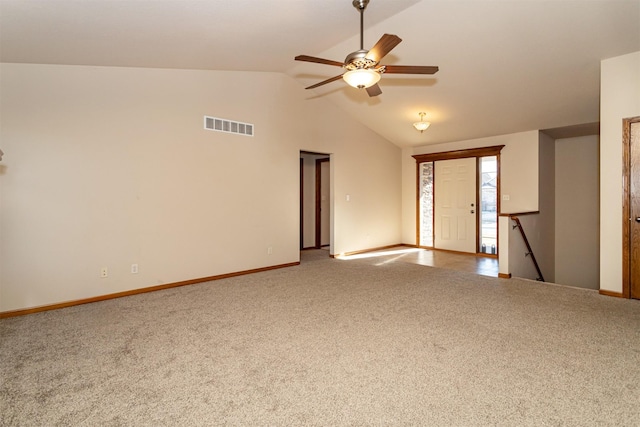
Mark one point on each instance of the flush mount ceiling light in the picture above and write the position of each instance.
(421, 125)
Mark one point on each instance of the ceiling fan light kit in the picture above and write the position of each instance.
(361, 78)
(362, 67)
(421, 125)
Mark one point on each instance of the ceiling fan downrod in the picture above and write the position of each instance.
(361, 5)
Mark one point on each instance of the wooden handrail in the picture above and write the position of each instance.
(519, 213)
(540, 278)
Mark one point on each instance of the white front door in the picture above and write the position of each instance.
(455, 199)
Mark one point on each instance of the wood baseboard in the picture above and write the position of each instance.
(381, 248)
(611, 293)
(22, 312)
(504, 275)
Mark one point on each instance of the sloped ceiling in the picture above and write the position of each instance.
(505, 66)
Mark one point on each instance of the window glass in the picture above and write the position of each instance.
(426, 204)
(488, 204)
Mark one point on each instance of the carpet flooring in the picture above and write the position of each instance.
(365, 342)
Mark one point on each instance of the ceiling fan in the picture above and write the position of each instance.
(362, 66)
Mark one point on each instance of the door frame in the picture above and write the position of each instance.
(319, 200)
(493, 150)
(301, 203)
(626, 205)
(310, 197)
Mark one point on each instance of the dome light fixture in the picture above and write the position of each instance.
(421, 125)
(361, 78)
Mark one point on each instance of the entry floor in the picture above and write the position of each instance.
(442, 259)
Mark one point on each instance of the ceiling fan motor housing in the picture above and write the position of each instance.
(357, 60)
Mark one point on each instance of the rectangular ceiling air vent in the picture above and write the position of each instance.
(228, 126)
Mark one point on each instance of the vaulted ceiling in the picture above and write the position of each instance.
(505, 66)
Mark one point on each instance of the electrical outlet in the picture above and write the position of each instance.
(269, 250)
(134, 268)
(104, 272)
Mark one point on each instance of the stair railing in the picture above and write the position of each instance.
(518, 225)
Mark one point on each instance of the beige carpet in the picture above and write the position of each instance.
(329, 342)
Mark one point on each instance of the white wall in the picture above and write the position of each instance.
(619, 99)
(518, 174)
(370, 174)
(409, 195)
(577, 212)
(107, 166)
(564, 235)
(542, 237)
(539, 228)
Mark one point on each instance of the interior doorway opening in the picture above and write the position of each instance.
(315, 200)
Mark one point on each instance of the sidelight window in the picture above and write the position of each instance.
(488, 204)
(426, 203)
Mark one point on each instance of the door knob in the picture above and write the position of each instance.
(638, 219)
(472, 211)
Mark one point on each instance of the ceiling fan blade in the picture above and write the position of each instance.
(308, 58)
(410, 69)
(324, 82)
(374, 90)
(384, 46)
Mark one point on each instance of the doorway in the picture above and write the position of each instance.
(455, 205)
(457, 200)
(315, 200)
(631, 208)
